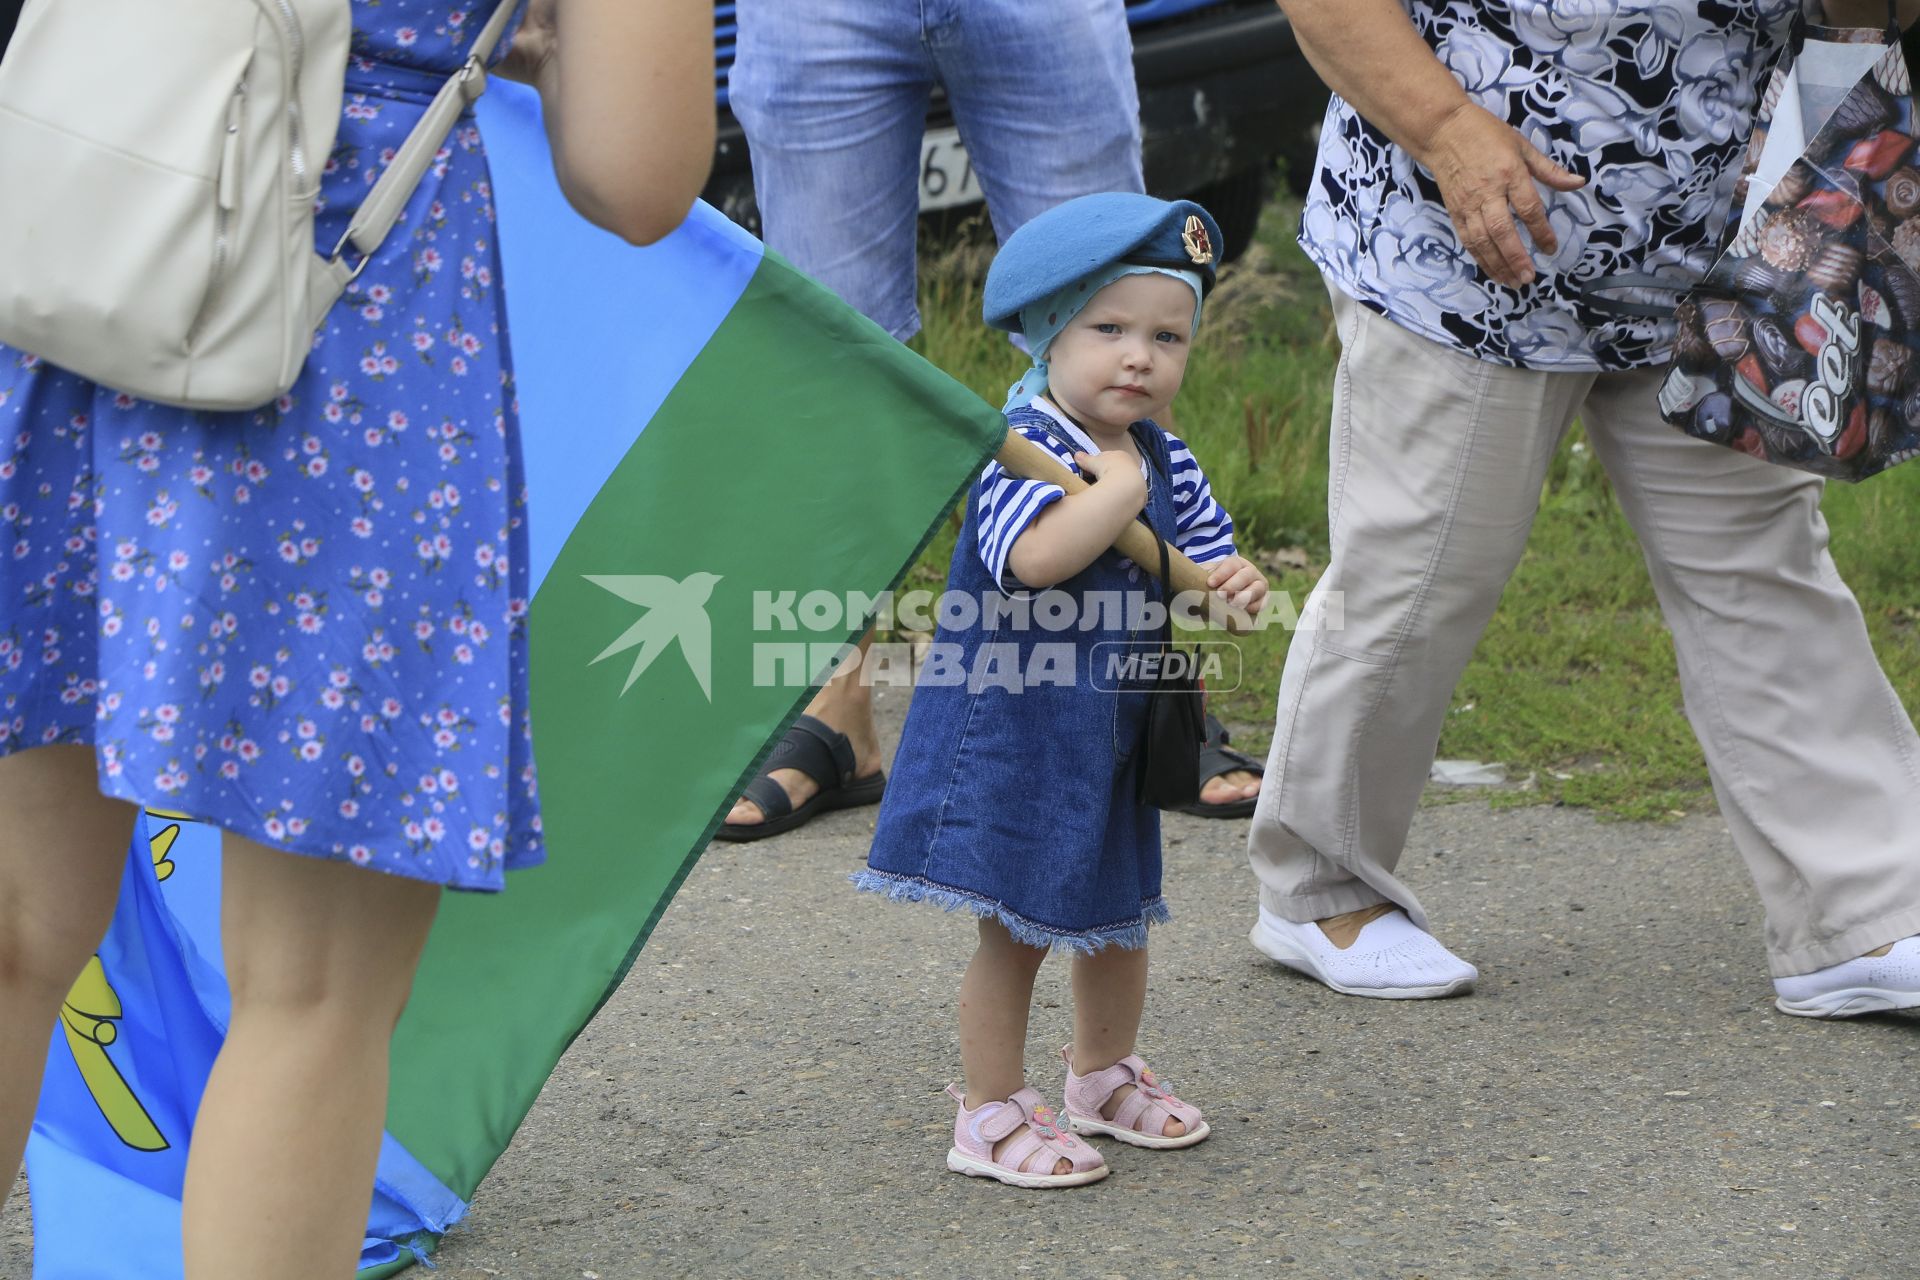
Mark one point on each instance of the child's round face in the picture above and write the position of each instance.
(1123, 357)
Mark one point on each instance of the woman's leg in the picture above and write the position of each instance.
(321, 957)
(1812, 755)
(1437, 464)
(62, 845)
(1109, 994)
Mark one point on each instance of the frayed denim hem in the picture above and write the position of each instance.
(1031, 933)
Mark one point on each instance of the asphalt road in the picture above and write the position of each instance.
(1617, 1099)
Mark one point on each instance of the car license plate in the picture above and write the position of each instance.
(946, 174)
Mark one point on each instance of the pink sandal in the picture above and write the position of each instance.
(1142, 1118)
(976, 1132)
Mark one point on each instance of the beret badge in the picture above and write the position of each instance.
(1198, 245)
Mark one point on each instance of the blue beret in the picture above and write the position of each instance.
(1079, 237)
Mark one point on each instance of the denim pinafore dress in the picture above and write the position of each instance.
(1013, 789)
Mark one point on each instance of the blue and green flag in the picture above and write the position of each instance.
(705, 431)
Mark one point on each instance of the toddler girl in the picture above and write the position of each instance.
(1014, 789)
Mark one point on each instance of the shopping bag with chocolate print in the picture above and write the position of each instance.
(1799, 346)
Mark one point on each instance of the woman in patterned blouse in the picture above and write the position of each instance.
(1480, 164)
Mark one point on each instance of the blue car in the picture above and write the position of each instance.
(1224, 92)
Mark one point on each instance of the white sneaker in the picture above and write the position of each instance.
(1869, 984)
(1392, 959)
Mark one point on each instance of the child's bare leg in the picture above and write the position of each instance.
(995, 997)
(62, 847)
(1109, 994)
(320, 956)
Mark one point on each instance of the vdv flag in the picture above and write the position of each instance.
(704, 429)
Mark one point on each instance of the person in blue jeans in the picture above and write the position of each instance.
(833, 96)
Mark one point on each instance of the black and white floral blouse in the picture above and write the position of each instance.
(1649, 100)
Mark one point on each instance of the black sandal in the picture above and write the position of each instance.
(1216, 758)
(823, 754)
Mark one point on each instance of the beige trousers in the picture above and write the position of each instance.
(1438, 462)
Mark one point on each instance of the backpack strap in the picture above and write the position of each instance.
(382, 208)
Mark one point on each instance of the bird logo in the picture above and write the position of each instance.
(675, 610)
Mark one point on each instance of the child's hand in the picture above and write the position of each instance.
(1239, 583)
(1114, 468)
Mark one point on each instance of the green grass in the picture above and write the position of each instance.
(1573, 684)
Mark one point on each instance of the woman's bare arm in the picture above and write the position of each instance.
(1369, 53)
(627, 90)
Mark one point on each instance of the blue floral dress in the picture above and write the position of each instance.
(303, 623)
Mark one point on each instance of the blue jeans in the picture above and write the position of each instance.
(833, 97)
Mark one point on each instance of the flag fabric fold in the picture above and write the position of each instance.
(708, 437)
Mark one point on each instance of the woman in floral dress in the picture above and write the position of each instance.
(306, 624)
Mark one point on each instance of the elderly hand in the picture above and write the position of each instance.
(1486, 171)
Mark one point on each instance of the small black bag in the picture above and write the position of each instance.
(1169, 766)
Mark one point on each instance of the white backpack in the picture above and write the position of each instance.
(159, 164)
